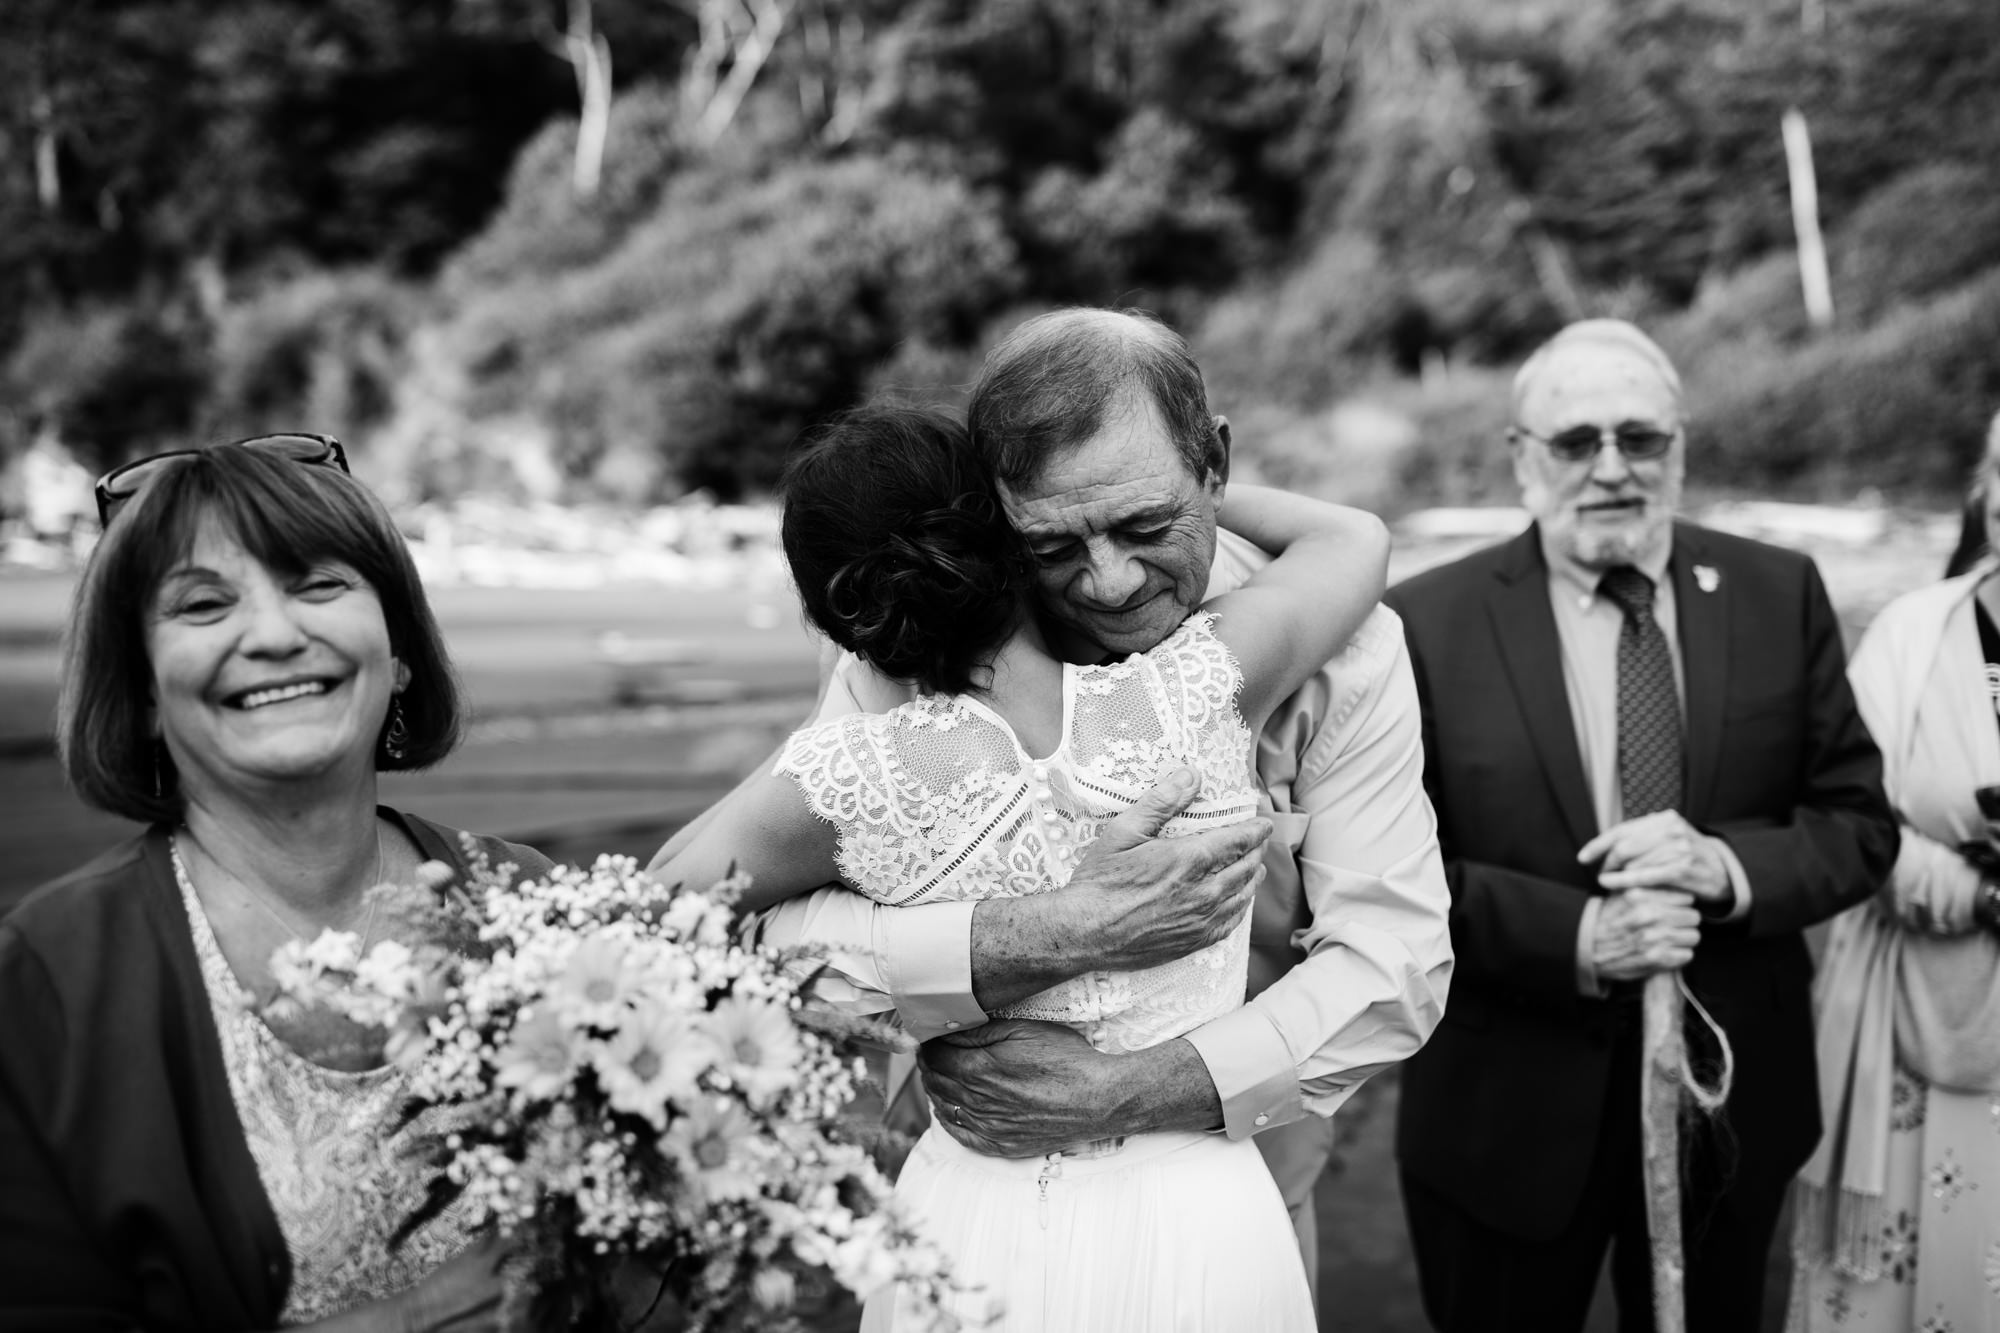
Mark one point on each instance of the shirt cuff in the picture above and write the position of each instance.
(1587, 981)
(1255, 1076)
(927, 959)
(1739, 883)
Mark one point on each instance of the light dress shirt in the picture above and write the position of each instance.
(1356, 885)
(1589, 624)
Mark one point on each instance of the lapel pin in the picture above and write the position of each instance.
(1707, 578)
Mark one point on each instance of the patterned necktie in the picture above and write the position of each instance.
(1649, 708)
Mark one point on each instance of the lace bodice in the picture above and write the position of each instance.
(937, 801)
(338, 1178)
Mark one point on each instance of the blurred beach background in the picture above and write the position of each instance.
(569, 278)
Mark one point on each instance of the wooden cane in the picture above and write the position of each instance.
(1666, 1080)
(1665, 1048)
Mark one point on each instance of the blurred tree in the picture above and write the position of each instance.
(542, 226)
(223, 213)
(1654, 153)
(1159, 217)
(1147, 149)
(322, 352)
(731, 314)
(1902, 405)
(109, 381)
(162, 153)
(170, 136)
(1652, 149)
(1919, 235)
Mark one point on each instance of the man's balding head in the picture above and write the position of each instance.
(1053, 383)
(1599, 340)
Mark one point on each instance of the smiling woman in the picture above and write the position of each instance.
(250, 646)
(286, 528)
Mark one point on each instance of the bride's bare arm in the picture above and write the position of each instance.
(763, 829)
(693, 829)
(829, 659)
(1330, 567)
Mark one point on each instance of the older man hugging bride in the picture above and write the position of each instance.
(1033, 687)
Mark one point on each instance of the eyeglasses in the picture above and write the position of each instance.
(120, 484)
(1579, 444)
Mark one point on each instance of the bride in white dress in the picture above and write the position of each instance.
(993, 782)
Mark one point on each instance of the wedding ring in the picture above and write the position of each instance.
(951, 1114)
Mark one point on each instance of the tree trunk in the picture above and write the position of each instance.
(48, 174)
(747, 61)
(590, 56)
(1813, 275)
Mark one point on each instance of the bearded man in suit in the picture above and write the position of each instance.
(1644, 757)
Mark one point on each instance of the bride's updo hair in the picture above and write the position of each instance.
(899, 547)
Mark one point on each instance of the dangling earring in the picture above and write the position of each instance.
(396, 739)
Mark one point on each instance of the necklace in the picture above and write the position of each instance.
(367, 922)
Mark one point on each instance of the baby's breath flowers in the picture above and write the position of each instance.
(627, 1088)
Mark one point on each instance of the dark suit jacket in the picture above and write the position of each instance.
(1500, 1111)
(128, 1196)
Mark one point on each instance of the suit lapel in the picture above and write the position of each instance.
(1701, 597)
(1532, 653)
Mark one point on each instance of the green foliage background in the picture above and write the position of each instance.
(221, 216)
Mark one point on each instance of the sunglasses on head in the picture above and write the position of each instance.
(120, 484)
(1580, 444)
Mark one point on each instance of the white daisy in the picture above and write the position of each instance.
(758, 1046)
(714, 1143)
(597, 985)
(540, 1056)
(656, 1055)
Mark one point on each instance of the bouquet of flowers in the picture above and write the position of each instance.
(628, 1089)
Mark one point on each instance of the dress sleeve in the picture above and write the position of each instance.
(846, 770)
(1208, 674)
(1201, 680)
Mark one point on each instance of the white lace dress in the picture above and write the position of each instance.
(937, 800)
(327, 1150)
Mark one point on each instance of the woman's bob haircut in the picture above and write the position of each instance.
(290, 516)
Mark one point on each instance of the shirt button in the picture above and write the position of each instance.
(1262, 1120)
(953, 1025)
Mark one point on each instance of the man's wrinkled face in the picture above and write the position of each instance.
(1607, 509)
(1122, 535)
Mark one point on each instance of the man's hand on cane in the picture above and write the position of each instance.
(1660, 851)
(1641, 932)
(1658, 871)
